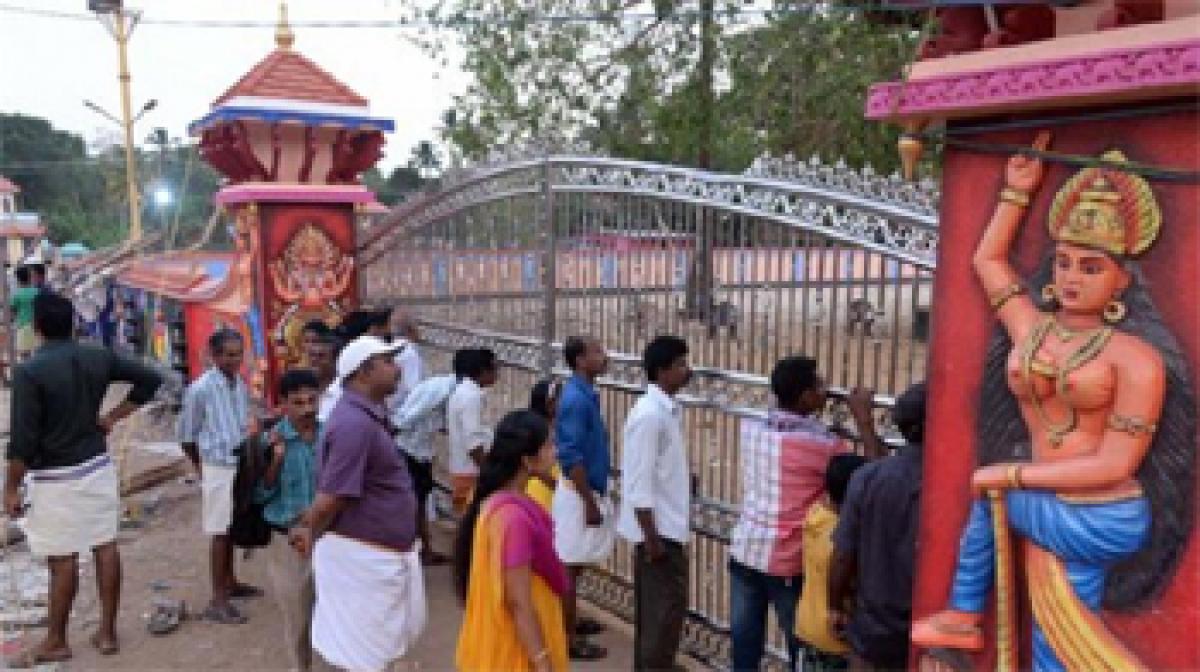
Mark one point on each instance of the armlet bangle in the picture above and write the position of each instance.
(1134, 426)
(1015, 196)
(544, 653)
(1014, 476)
(1002, 297)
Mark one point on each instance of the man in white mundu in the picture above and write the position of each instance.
(57, 439)
(366, 566)
(582, 508)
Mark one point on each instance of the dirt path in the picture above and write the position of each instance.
(168, 552)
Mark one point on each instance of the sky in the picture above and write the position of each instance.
(49, 66)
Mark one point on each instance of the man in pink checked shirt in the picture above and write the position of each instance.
(783, 461)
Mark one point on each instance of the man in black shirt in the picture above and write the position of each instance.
(874, 547)
(57, 437)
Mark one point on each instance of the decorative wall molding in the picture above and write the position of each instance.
(1120, 70)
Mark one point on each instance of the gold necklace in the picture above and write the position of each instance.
(1067, 334)
(1098, 338)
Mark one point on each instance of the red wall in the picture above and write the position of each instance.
(199, 326)
(1165, 636)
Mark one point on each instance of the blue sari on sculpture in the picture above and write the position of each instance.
(1089, 538)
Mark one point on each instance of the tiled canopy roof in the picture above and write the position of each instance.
(287, 75)
(7, 187)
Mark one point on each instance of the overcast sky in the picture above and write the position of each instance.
(48, 66)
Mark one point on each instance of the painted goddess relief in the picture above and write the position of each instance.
(1086, 433)
(311, 277)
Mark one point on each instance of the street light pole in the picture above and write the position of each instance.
(120, 25)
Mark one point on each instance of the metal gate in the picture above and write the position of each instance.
(790, 257)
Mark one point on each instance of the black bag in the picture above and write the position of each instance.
(249, 529)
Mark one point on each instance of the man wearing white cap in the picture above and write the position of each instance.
(370, 593)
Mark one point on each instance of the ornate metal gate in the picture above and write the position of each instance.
(790, 257)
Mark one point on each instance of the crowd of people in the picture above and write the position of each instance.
(335, 485)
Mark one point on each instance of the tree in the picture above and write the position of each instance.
(710, 83)
(550, 68)
(800, 81)
(83, 196)
(422, 168)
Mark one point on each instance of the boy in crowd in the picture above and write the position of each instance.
(468, 436)
(875, 547)
(813, 626)
(21, 303)
(783, 462)
(286, 490)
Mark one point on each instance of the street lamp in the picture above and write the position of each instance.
(120, 24)
(150, 105)
(163, 197)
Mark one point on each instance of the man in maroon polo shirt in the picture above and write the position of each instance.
(370, 593)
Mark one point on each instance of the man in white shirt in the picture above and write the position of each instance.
(403, 327)
(321, 354)
(468, 436)
(656, 493)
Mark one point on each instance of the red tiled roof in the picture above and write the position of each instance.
(176, 275)
(288, 75)
(22, 231)
(7, 187)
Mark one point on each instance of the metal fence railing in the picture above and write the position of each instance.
(791, 257)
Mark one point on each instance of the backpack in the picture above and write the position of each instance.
(249, 529)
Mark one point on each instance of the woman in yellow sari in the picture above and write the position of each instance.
(505, 567)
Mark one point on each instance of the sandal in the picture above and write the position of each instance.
(586, 627)
(105, 648)
(166, 618)
(245, 591)
(584, 650)
(228, 615)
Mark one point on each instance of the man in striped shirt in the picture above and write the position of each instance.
(215, 420)
(783, 463)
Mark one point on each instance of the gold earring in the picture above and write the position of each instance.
(1050, 293)
(1114, 311)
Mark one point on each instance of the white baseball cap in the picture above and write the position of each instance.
(358, 351)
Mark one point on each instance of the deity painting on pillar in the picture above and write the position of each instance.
(1086, 433)
(310, 272)
(245, 283)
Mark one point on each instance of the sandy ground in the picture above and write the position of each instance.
(168, 552)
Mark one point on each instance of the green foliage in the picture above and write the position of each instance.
(422, 167)
(83, 197)
(634, 80)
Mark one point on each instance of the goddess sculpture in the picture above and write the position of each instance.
(1087, 433)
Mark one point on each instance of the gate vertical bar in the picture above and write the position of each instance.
(550, 274)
